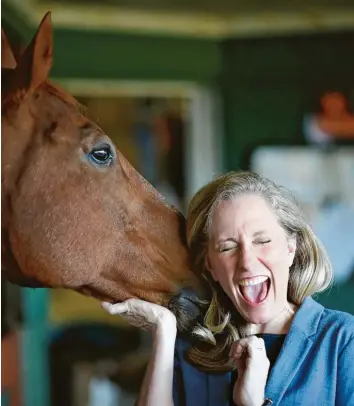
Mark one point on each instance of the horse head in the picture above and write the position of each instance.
(75, 213)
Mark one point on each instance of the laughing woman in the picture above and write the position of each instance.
(263, 338)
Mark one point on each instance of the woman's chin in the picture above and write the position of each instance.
(257, 319)
(256, 315)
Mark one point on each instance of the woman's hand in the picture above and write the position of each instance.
(145, 315)
(252, 366)
(157, 384)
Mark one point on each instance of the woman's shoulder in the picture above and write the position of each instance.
(312, 314)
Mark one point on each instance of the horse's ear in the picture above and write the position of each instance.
(36, 61)
(7, 57)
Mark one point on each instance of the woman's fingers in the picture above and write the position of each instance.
(237, 349)
(140, 313)
(256, 348)
(115, 308)
(249, 347)
(130, 305)
(250, 358)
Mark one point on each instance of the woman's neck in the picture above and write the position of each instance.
(278, 325)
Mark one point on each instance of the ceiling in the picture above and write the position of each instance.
(219, 6)
(202, 18)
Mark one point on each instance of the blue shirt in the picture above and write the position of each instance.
(315, 366)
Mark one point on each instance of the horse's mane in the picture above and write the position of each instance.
(51, 89)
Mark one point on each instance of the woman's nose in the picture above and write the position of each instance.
(246, 258)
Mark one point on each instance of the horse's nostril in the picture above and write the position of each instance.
(186, 307)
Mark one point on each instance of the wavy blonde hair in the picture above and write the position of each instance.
(310, 273)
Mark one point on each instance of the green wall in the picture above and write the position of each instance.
(92, 54)
(113, 55)
(268, 84)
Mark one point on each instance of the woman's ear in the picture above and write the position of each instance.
(291, 250)
(209, 268)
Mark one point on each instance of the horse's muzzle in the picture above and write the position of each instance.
(187, 307)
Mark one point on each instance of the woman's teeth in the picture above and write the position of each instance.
(253, 281)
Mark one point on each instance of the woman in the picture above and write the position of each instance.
(250, 241)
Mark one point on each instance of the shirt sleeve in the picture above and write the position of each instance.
(345, 376)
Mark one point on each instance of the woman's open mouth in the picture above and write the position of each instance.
(254, 290)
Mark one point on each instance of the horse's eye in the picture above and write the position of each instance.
(102, 155)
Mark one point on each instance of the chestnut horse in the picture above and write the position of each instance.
(75, 213)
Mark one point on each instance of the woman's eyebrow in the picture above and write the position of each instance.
(258, 233)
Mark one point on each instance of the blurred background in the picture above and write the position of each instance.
(186, 90)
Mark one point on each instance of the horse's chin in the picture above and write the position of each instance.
(25, 282)
(10, 268)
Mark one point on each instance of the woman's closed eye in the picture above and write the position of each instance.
(227, 248)
(263, 242)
